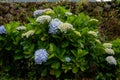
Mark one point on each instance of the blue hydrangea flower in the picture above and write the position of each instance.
(2, 30)
(38, 12)
(41, 56)
(53, 26)
(67, 59)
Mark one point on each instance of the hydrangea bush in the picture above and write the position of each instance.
(116, 47)
(56, 43)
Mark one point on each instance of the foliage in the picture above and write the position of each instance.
(74, 49)
(116, 47)
(117, 1)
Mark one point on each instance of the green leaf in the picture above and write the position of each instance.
(11, 27)
(82, 53)
(2, 38)
(75, 70)
(51, 47)
(67, 67)
(71, 19)
(26, 47)
(27, 52)
(27, 56)
(82, 68)
(55, 65)
(58, 73)
(60, 10)
(31, 20)
(17, 57)
(44, 72)
(38, 31)
(31, 49)
(8, 48)
(51, 56)
(74, 53)
(65, 44)
(61, 55)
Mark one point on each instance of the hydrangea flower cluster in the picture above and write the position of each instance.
(40, 12)
(43, 18)
(64, 27)
(41, 56)
(21, 28)
(111, 60)
(53, 26)
(109, 51)
(108, 48)
(107, 45)
(67, 59)
(2, 30)
(27, 34)
(93, 33)
(68, 13)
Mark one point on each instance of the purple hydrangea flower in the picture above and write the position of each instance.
(2, 30)
(41, 55)
(53, 26)
(67, 59)
(38, 12)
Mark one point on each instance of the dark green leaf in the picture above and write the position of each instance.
(65, 44)
(82, 53)
(55, 65)
(57, 73)
(82, 68)
(17, 57)
(75, 70)
(44, 72)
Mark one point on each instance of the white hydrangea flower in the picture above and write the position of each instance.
(107, 45)
(53, 25)
(111, 60)
(27, 34)
(64, 27)
(93, 33)
(41, 56)
(21, 28)
(109, 51)
(43, 18)
(68, 13)
(94, 20)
